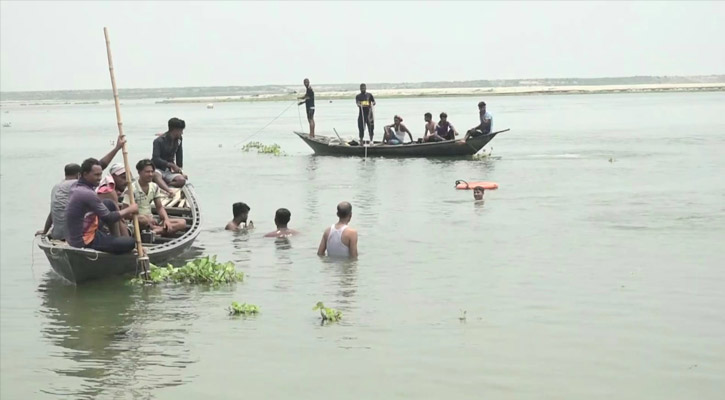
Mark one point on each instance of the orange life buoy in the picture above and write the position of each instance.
(463, 185)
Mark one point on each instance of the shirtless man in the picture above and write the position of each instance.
(241, 213)
(395, 132)
(281, 219)
(430, 127)
(339, 240)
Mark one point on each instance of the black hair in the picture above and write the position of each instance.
(479, 188)
(481, 104)
(239, 209)
(143, 164)
(282, 216)
(175, 123)
(88, 163)
(444, 115)
(72, 169)
(362, 84)
(428, 115)
(344, 209)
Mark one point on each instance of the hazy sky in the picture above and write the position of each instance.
(60, 45)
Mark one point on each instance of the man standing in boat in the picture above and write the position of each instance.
(365, 102)
(486, 123)
(309, 101)
(168, 153)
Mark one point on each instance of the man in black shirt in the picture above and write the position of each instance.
(309, 100)
(365, 102)
(168, 154)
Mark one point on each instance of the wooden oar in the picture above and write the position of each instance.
(143, 260)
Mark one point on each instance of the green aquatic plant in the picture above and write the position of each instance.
(328, 314)
(264, 149)
(243, 309)
(205, 270)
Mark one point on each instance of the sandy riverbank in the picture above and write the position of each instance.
(483, 91)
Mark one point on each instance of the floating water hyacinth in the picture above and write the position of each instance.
(205, 270)
(328, 314)
(264, 149)
(243, 309)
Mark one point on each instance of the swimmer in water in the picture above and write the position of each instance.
(241, 213)
(281, 219)
(478, 193)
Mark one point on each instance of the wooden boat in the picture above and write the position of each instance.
(78, 265)
(329, 146)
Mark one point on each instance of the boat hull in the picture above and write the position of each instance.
(327, 146)
(78, 265)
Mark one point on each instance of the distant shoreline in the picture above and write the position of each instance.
(464, 92)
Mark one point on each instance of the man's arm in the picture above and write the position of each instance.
(372, 99)
(180, 154)
(162, 213)
(106, 160)
(353, 244)
(405, 129)
(323, 243)
(48, 223)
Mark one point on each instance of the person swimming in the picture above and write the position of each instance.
(339, 240)
(241, 213)
(478, 193)
(281, 219)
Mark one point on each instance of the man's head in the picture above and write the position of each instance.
(344, 211)
(478, 193)
(428, 117)
(363, 88)
(72, 171)
(241, 211)
(306, 82)
(145, 169)
(282, 217)
(176, 127)
(91, 171)
(482, 106)
(397, 119)
(118, 173)
(444, 117)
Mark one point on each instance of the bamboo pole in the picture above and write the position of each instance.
(143, 260)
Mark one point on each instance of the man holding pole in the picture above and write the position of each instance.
(365, 102)
(309, 101)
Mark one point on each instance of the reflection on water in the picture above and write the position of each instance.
(107, 338)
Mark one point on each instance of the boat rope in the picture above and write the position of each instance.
(93, 259)
(268, 124)
(300, 117)
(52, 247)
(32, 258)
(461, 181)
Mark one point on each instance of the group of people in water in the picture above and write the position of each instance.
(88, 210)
(395, 133)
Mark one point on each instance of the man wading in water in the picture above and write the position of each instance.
(339, 240)
(365, 102)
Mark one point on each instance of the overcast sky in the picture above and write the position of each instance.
(60, 45)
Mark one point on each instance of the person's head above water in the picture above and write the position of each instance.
(344, 211)
(363, 88)
(282, 217)
(478, 193)
(241, 211)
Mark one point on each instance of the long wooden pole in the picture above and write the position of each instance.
(143, 260)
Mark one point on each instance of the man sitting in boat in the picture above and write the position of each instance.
(281, 219)
(168, 153)
(486, 123)
(430, 127)
(114, 184)
(145, 193)
(444, 130)
(241, 213)
(87, 214)
(60, 195)
(395, 132)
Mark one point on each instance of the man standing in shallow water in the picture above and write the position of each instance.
(281, 219)
(339, 240)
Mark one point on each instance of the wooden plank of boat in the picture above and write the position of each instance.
(78, 265)
(329, 146)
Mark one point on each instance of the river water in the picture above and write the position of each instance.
(580, 277)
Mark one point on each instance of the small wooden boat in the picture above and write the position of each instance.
(78, 265)
(329, 146)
